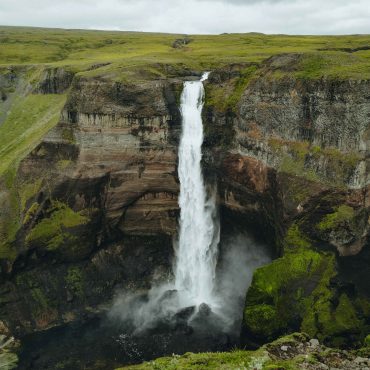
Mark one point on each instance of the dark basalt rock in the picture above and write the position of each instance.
(168, 295)
(204, 310)
(185, 313)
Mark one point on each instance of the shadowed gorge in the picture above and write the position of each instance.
(119, 244)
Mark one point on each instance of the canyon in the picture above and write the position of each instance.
(90, 208)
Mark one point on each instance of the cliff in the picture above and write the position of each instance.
(88, 178)
(94, 203)
(296, 165)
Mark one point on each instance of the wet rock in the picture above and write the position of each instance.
(168, 295)
(204, 309)
(185, 313)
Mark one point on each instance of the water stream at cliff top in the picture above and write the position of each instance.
(196, 253)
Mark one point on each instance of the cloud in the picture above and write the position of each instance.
(194, 16)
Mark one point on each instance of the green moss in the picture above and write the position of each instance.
(10, 221)
(30, 213)
(226, 97)
(39, 298)
(74, 280)
(63, 164)
(263, 358)
(52, 232)
(301, 281)
(342, 214)
(283, 283)
(364, 305)
(296, 190)
(7, 251)
(367, 341)
(220, 360)
(67, 134)
(27, 190)
(295, 239)
(327, 321)
(345, 316)
(263, 320)
(293, 155)
(295, 159)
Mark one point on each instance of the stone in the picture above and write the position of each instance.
(314, 342)
(185, 313)
(360, 360)
(284, 348)
(204, 309)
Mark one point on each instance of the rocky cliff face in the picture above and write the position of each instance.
(294, 161)
(96, 200)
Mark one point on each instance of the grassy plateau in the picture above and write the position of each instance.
(80, 50)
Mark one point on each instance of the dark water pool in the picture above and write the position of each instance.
(100, 344)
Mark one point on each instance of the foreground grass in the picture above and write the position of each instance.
(290, 352)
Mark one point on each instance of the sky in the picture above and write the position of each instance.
(193, 16)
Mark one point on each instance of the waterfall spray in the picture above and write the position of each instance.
(196, 254)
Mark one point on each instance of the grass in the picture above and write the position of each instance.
(28, 121)
(219, 360)
(128, 52)
(267, 357)
(133, 56)
(129, 56)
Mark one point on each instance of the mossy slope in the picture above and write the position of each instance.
(300, 291)
(287, 353)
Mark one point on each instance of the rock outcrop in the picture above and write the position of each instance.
(292, 159)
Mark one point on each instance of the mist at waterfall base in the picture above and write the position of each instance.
(142, 327)
(163, 309)
(201, 305)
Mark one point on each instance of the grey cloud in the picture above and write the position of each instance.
(248, 2)
(194, 16)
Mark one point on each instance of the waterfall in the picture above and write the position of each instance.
(196, 253)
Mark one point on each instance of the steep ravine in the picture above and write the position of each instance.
(97, 201)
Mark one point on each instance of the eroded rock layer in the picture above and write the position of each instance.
(98, 202)
(93, 208)
(293, 161)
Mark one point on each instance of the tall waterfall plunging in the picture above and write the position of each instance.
(174, 306)
(196, 253)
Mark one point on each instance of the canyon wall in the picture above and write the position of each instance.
(96, 201)
(293, 161)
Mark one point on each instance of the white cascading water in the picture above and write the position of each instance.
(196, 254)
(197, 247)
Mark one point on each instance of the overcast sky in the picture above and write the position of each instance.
(194, 16)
